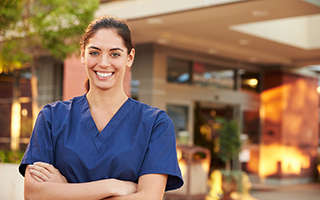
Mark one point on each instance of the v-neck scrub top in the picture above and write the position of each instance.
(138, 140)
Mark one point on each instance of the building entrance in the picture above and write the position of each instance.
(205, 127)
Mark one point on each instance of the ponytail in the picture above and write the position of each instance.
(87, 84)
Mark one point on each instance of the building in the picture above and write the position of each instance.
(252, 61)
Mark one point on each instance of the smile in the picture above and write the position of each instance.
(103, 75)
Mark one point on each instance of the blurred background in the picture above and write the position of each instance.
(256, 62)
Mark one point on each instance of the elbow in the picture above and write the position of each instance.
(30, 193)
(32, 188)
(34, 193)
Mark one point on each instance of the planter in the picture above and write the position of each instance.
(223, 183)
(11, 182)
(228, 187)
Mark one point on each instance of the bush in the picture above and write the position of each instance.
(10, 156)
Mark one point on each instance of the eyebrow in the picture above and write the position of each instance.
(113, 49)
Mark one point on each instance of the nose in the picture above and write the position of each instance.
(105, 61)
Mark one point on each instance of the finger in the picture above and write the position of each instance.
(37, 178)
(47, 166)
(39, 173)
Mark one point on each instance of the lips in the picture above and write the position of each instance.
(104, 74)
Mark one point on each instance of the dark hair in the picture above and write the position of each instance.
(108, 22)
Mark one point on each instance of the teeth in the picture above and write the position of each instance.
(104, 74)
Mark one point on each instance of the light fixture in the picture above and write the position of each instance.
(253, 82)
(212, 51)
(260, 13)
(163, 41)
(253, 59)
(244, 42)
(155, 20)
(24, 112)
(318, 89)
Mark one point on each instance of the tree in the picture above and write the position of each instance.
(33, 28)
(229, 141)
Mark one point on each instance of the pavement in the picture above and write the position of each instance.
(265, 191)
(305, 191)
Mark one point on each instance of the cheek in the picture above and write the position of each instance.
(90, 63)
(119, 64)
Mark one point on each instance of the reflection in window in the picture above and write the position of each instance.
(135, 84)
(179, 116)
(251, 124)
(212, 76)
(179, 71)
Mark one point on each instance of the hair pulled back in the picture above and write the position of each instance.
(109, 22)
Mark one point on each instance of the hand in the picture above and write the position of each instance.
(44, 172)
(124, 187)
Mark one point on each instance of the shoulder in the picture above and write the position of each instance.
(151, 115)
(149, 111)
(62, 107)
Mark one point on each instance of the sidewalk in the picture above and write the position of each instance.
(307, 191)
(303, 191)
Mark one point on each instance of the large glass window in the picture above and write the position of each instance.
(179, 116)
(251, 125)
(179, 71)
(187, 72)
(213, 76)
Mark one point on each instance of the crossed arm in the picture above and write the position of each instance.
(43, 181)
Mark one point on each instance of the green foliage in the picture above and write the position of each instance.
(35, 28)
(10, 156)
(229, 139)
(12, 57)
(10, 13)
(60, 24)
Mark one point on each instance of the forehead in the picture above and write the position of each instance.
(106, 38)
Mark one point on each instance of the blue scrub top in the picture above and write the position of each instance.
(138, 140)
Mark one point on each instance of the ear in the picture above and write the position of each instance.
(83, 55)
(131, 57)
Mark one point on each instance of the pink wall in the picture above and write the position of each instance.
(73, 78)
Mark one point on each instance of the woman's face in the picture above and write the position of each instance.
(106, 59)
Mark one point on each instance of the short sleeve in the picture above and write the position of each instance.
(40, 147)
(161, 156)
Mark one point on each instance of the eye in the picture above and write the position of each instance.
(115, 54)
(94, 53)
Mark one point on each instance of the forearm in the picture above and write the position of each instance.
(137, 196)
(150, 187)
(64, 191)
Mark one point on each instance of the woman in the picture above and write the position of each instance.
(102, 144)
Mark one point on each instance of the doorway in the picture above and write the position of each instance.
(205, 128)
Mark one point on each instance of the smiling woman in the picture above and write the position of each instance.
(106, 59)
(104, 142)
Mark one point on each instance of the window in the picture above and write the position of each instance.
(179, 71)
(251, 125)
(212, 76)
(179, 116)
(205, 75)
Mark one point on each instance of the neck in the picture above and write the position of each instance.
(106, 100)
